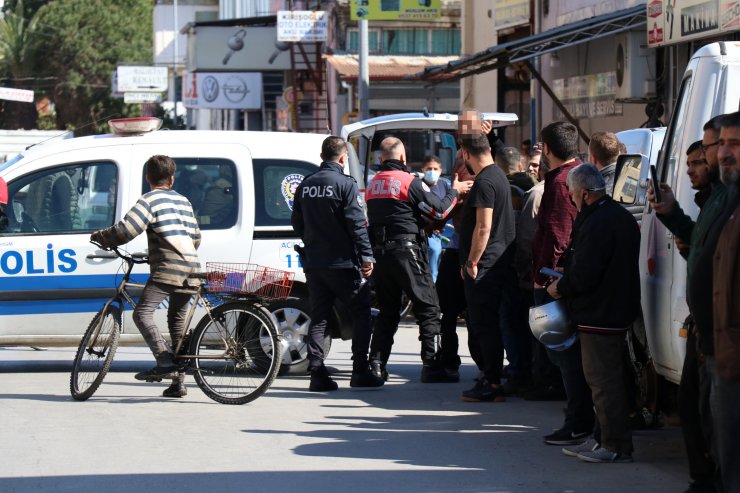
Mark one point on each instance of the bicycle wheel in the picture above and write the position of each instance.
(237, 353)
(95, 353)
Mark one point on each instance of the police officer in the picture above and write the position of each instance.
(337, 258)
(397, 201)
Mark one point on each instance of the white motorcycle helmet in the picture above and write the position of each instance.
(551, 326)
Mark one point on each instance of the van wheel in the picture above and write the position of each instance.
(293, 320)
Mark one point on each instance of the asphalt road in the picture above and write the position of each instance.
(407, 436)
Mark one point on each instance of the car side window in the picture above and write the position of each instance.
(674, 155)
(211, 187)
(275, 184)
(78, 197)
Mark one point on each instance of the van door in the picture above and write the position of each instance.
(49, 291)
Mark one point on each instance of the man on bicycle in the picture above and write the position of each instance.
(173, 238)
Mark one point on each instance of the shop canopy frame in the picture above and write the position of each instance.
(525, 49)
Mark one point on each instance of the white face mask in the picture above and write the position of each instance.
(431, 176)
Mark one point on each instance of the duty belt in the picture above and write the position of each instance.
(395, 245)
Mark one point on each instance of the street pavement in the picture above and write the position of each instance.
(407, 436)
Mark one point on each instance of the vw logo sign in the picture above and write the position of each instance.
(210, 88)
(235, 89)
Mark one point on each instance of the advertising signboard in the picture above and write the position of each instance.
(142, 79)
(222, 90)
(395, 10)
(511, 13)
(678, 21)
(237, 48)
(301, 25)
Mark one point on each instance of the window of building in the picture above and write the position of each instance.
(211, 187)
(408, 41)
(275, 184)
(72, 198)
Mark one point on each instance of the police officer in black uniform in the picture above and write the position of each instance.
(337, 258)
(397, 202)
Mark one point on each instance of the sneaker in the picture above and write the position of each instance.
(177, 389)
(452, 375)
(566, 436)
(321, 381)
(379, 370)
(157, 373)
(434, 374)
(587, 446)
(484, 392)
(604, 455)
(365, 379)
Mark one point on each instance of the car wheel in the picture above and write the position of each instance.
(293, 321)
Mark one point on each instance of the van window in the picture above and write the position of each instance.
(210, 186)
(78, 197)
(674, 155)
(275, 184)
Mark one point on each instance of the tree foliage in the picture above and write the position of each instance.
(83, 43)
(18, 57)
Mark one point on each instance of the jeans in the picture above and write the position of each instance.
(153, 295)
(326, 285)
(434, 250)
(724, 400)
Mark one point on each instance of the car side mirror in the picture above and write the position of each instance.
(627, 183)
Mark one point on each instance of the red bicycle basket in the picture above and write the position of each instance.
(258, 280)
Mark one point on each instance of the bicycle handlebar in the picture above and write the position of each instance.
(136, 258)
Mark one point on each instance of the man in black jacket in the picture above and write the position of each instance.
(397, 200)
(601, 287)
(337, 259)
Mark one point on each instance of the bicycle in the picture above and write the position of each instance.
(233, 352)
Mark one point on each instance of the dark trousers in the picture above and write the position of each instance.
(484, 296)
(451, 292)
(696, 419)
(404, 270)
(602, 356)
(153, 295)
(724, 401)
(515, 328)
(326, 285)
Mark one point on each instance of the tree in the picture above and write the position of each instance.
(85, 41)
(18, 49)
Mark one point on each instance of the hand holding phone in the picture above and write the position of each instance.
(551, 272)
(656, 184)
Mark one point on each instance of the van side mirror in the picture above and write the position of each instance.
(627, 178)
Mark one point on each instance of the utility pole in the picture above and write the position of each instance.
(364, 78)
(174, 70)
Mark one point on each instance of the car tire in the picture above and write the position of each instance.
(293, 321)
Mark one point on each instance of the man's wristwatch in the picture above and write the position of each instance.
(470, 263)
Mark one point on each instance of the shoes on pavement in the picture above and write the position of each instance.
(587, 446)
(452, 375)
(365, 378)
(604, 455)
(158, 373)
(645, 420)
(566, 436)
(432, 373)
(482, 391)
(177, 389)
(379, 370)
(544, 393)
(321, 381)
(515, 384)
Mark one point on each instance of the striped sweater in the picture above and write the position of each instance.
(172, 233)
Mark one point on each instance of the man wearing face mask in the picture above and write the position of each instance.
(432, 170)
(601, 287)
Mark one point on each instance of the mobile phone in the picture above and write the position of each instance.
(656, 183)
(551, 272)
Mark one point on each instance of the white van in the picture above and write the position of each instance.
(240, 185)
(709, 88)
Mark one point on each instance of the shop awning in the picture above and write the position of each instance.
(385, 67)
(537, 44)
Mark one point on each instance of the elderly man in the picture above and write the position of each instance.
(601, 287)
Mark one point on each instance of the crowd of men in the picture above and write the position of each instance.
(515, 213)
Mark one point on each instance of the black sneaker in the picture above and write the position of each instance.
(321, 381)
(365, 378)
(177, 389)
(452, 375)
(157, 373)
(566, 436)
(484, 392)
(379, 370)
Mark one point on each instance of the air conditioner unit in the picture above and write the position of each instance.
(635, 66)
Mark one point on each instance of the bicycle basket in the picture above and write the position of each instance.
(258, 280)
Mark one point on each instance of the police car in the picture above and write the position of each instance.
(241, 186)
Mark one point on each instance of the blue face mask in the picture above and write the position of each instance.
(431, 176)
